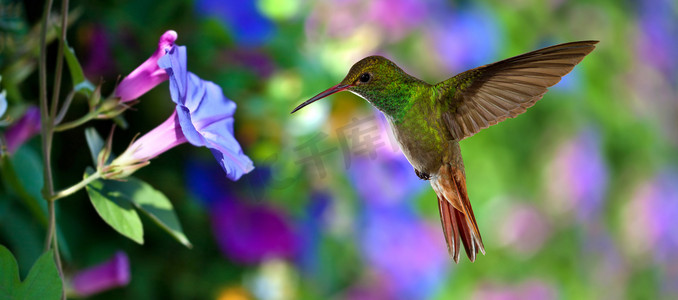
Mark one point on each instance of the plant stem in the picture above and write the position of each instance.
(75, 123)
(76, 187)
(46, 123)
(47, 127)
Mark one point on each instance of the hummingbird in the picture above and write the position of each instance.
(429, 120)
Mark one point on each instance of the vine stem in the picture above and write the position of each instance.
(47, 126)
(76, 187)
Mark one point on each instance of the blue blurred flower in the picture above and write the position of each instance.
(148, 74)
(405, 249)
(310, 229)
(251, 233)
(25, 128)
(389, 178)
(466, 38)
(249, 27)
(3, 101)
(578, 176)
(658, 42)
(108, 275)
(205, 114)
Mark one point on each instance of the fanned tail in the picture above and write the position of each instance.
(456, 213)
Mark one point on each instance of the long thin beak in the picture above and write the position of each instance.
(335, 89)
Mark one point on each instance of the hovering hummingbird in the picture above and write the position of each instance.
(428, 120)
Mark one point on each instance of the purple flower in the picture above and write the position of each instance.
(577, 178)
(466, 39)
(25, 128)
(205, 115)
(148, 74)
(397, 17)
(251, 233)
(408, 251)
(111, 274)
(98, 62)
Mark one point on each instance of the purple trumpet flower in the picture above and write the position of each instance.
(203, 117)
(108, 275)
(148, 74)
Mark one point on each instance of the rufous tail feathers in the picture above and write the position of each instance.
(456, 213)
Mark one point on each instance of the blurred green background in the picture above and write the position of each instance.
(576, 199)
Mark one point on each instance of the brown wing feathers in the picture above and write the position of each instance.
(489, 94)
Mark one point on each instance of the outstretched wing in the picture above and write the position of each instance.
(489, 94)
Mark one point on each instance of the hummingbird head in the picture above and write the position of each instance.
(379, 81)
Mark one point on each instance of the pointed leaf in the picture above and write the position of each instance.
(9, 277)
(115, 209)
(153, 203)
(80, 83)
(94, 142)
(22, 172)
(43, 280)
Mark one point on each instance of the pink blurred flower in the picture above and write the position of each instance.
(148, 74)
(111, 274)
(527, 290)
(650, 218)
(524, 229)
(27, 127)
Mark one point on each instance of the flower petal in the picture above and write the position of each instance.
(148, 74)
(205, 114)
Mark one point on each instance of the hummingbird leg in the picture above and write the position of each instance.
(422, 175)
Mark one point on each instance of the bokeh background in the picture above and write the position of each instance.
(576, 199)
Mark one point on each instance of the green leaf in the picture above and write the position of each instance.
(42, 282)
(115, 208)
(151, 202)
(9, 277)
(94, 142)
(80, 83)
(22, 172)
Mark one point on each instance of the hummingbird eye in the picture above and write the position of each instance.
(365, 77)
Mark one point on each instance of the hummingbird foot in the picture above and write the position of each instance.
(422, 175)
